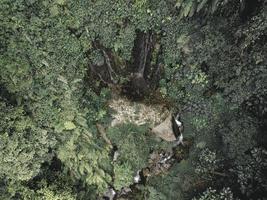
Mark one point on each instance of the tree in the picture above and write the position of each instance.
(60, 59)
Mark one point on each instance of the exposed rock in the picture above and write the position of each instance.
(124, 191)
(115, 156)
(137, 87)
(109, 194)
(137, 177)
(135, 112)
(164, 130)
(159, 162)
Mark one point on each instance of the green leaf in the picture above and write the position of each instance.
(201, 5)
(60, 2)
(54, 11)
(69, 125)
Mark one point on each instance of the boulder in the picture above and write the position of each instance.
(164, 130)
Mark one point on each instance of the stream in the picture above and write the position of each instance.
(160, 161)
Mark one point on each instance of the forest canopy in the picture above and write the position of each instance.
(63, 63)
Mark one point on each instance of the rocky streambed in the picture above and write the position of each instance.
(161, 160)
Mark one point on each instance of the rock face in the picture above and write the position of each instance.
(137, 87)
(164, 130)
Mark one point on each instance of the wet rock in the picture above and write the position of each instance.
(124, 191)
(137, 177)
(137, 88)
(159, 162)
(109, 194)
(115, 156)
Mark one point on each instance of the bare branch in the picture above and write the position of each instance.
(219, 173)
(110, 70)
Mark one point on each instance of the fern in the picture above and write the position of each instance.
(191, 7)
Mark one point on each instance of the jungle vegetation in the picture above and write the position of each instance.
(61, 60)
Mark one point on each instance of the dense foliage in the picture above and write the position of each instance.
(60, 61)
